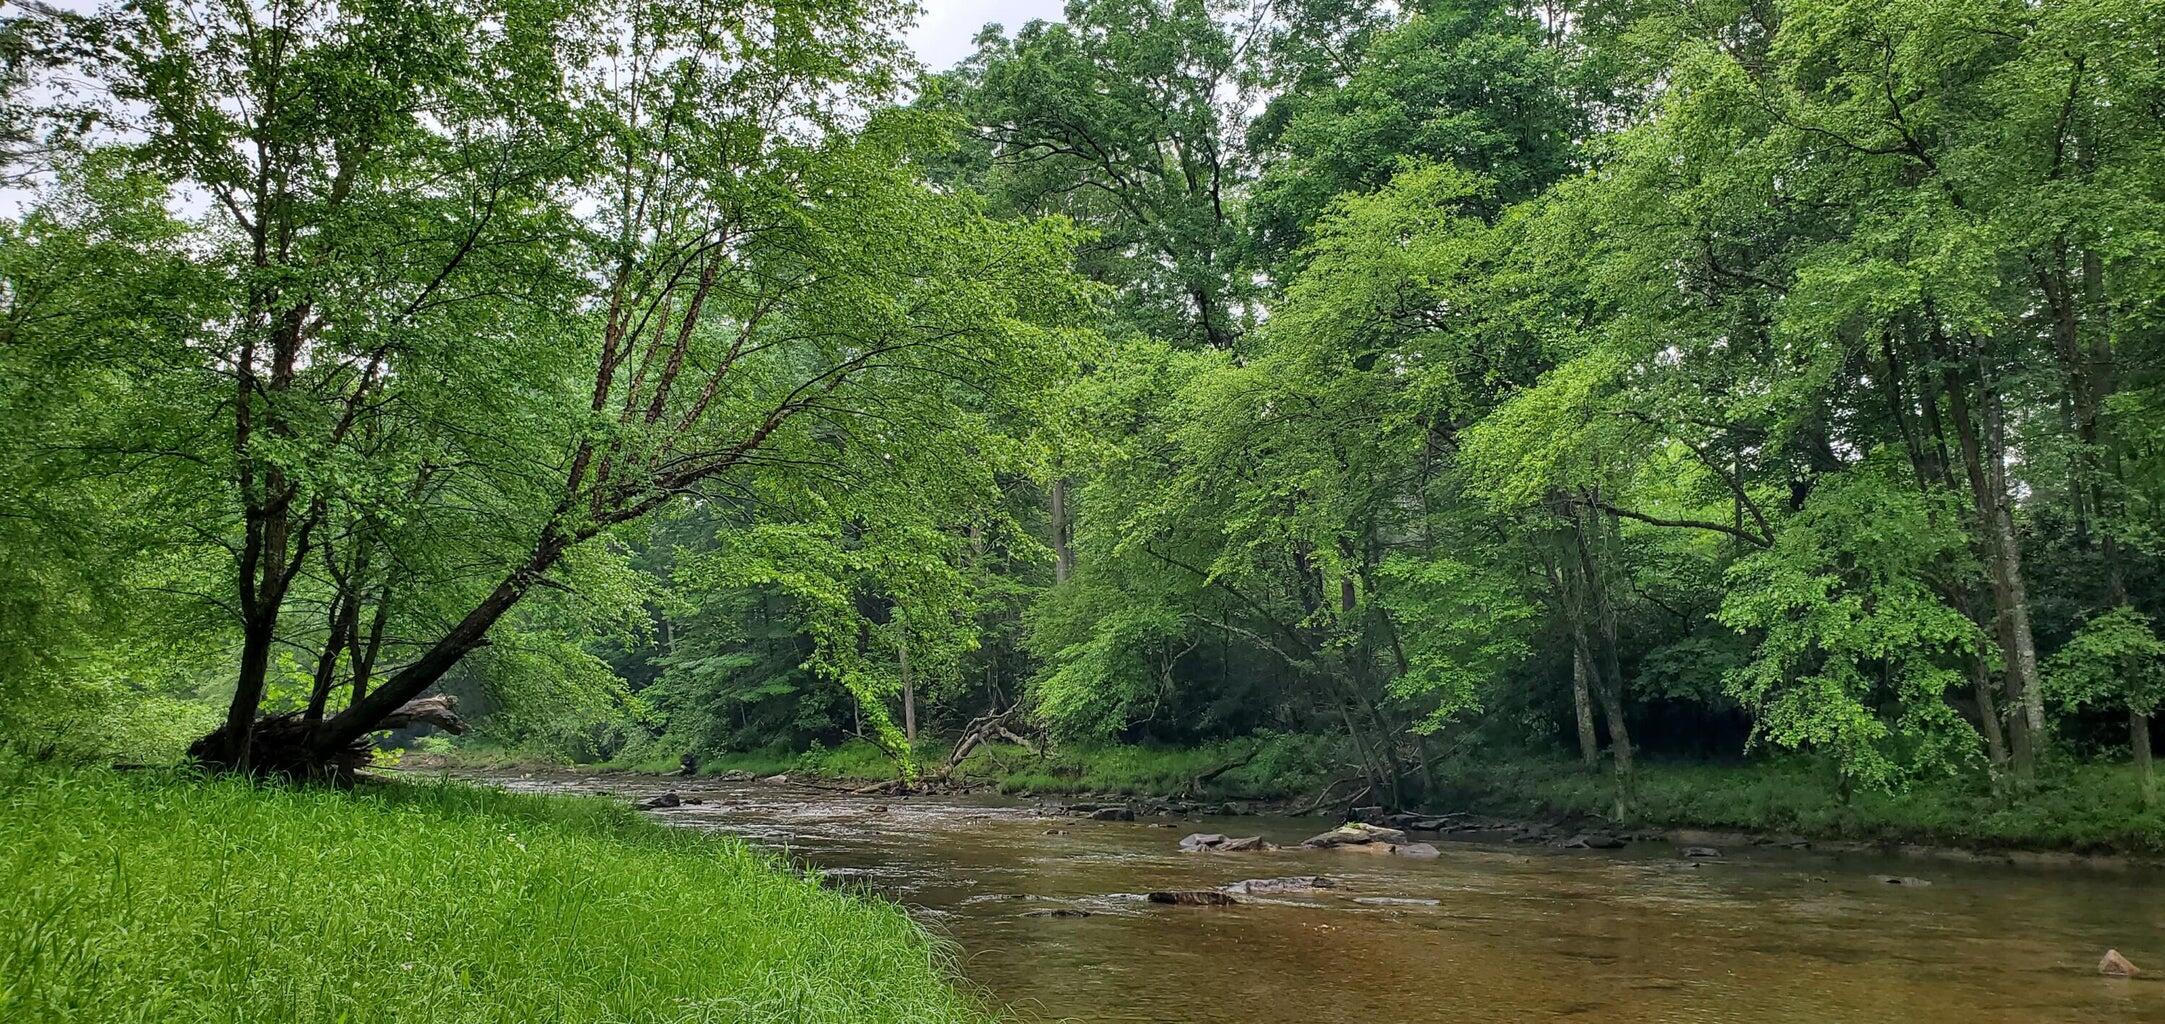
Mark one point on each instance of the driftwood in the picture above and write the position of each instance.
(440, 711)
(996, 725)
(1323, 798)
(1196, 785)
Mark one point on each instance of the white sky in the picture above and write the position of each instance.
(943, 33)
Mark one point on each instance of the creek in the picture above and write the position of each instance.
(1046, 913)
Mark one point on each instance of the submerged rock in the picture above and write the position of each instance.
(1698, 853)
(1591, 841)
(1397, 901)
(1271, 886)
(1418, 851)
(1059, 912)
(2116, 965)
(1193, 897)
(662, 802)
(1900, 880)
(1212, 842)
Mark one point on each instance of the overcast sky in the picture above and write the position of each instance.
(943, 33)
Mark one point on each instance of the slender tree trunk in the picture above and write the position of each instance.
(2003, 559)
(909, 683)
(1988, 712)
(1611, 682)
(1063, 564)
(1583, 706)
(2138, 734)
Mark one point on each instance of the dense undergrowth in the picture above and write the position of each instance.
(158, 897)
(2085, 807)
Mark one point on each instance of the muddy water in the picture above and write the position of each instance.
(1486, 932)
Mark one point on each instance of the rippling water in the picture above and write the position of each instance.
(1513, 933)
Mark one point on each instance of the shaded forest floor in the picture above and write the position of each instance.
(152, 896)
(2076, 807)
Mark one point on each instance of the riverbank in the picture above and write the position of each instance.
(156, 896)
(2076, 808)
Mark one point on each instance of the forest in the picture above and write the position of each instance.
(1387, 387)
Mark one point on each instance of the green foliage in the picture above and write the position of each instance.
(2115, 659)
(1856, 650)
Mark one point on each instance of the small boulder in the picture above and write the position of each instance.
(1591, 841)
(1698, 853)
(1418, 851)
(662, 802)
(2116, 965)
(1112, 814)
(1193, 897)
(776, 780)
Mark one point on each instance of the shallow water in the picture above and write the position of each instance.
(1514, 934)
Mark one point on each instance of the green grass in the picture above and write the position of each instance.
(2075, 806)
(161, 898)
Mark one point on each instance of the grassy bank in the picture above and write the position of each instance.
(159, 898)
(2080, 807)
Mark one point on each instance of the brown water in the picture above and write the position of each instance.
(1514, 934)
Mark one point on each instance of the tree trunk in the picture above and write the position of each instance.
(909, 684)
(1063, 551)
(2003, 559)
(1988, 713)
(2138, 732)
(1583, 706)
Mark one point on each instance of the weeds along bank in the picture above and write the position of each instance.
(2084, 807)
(154, 897)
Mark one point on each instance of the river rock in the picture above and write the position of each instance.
(1212, 842)
(1904, 880)
(876, 809)
(1272, 886)
(1397, 901)
(1418, 851)
(1591, 841)
(1057, 912)
(735, 775)
(1353, 834)
(2116, 965)
(1113, 814)
(1367, 815)
(664, 801)
(1193, 897)
(776, 780)
(1698, 853)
